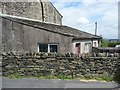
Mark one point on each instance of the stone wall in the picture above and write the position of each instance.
(41, 64)
(105, 50)
(43, 11)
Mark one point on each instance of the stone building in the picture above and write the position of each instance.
(40, 29)
(41, 10)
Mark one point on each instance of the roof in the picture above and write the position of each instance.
(61, 29)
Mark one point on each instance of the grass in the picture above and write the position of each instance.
(98, 78)
(104, 78)
(16, 76)
(104, 43)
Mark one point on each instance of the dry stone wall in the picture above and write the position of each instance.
(45, 64)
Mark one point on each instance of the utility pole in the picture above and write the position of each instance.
(95, 28)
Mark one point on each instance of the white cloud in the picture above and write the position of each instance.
(89, 2)
(85, 14)
(83, 20)
(84, 1)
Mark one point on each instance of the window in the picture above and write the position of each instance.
(53, 48)
(87, 47)
(95, 44)
(48, 48)
(43, 48)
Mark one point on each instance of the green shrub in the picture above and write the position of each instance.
(113, 44)
(104, 43)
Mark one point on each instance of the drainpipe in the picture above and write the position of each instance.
(42, 7)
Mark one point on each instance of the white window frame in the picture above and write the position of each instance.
(49, 47)
(87, 47)
(38, 49)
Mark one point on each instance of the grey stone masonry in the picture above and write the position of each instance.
(42, 11)
(43, 64)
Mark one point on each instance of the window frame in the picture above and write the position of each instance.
(87, 47)
(48, 46)
(42, 44)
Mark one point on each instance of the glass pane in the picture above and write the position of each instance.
(43, 47)
(53, 48)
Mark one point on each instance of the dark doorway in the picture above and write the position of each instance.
(77, 46)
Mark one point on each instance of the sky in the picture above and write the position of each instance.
(82, 14)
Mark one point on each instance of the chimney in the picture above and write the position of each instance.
(95, 28)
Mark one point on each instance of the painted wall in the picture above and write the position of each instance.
(95, 43)
(22, 38)
(85, 46)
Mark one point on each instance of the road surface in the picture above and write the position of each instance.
(54, 83)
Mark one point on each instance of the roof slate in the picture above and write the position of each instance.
(61, 29)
